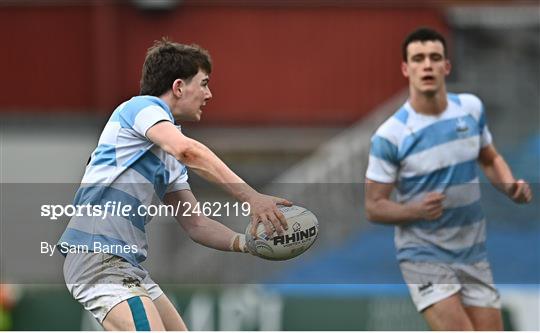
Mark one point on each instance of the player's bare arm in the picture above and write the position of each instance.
(499, 174)
(381, 208)
(206, 164)
(196, 156)
(202, 229)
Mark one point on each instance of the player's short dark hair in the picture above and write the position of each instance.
(167, 61)
(423, 34)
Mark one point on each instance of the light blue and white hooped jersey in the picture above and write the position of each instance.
(421, 154)
(128, 170)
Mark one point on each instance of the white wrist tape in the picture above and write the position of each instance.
(238, 243)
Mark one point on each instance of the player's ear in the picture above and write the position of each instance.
(404, 68)
(447, 67)
(178, 87)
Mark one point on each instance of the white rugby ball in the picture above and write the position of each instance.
(301, 234)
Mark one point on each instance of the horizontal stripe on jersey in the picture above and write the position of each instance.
(431, 253)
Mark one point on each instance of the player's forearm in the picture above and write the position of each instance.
(200, 159)
(207, 165)
(215, 235)
(387, 211)
(499, 174)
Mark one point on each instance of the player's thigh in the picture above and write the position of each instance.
(448, 315)
(169, 315)
(135, 314)
(480, 297)
(485, 319)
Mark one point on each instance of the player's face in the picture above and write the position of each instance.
(194, 95)
(426, 66)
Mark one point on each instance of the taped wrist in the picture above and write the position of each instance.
(238, 244)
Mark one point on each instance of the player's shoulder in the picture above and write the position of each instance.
(393, 127)
(138, 103)
(128, 111)
(470, 103)
(465, 99)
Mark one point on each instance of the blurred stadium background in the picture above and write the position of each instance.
(299, 86)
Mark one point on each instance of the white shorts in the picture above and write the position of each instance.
(430, 283)
(99, 281)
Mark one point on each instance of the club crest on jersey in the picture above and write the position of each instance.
(461, 126)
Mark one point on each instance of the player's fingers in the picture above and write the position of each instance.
(255, 220)
(512, 189)
(517, 195)
(281, 218)
(276, 223)
(435, 215)
(435, 212)
(281, 201)
(434, 197)
(435, 206)
(268, 228)
(528, 193)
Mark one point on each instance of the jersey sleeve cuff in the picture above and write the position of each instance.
(178, 187)
(379, 178)
(148, 118)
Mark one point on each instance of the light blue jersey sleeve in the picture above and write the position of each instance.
(476, 108)
(180, 182)
(383, 164)
(143, 112)
(384, 160)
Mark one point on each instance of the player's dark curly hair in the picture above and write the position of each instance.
(167, 61)
(422, 34)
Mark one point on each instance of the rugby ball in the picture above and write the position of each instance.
(301, 234)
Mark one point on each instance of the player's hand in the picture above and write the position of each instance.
(264, 210)
(243, 244)
(520, 192)
(431, 206)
